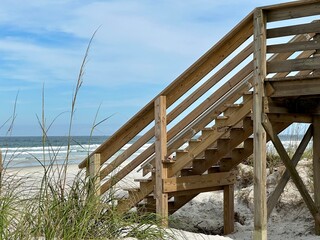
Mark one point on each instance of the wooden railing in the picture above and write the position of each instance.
(200, 69)
(230, 56)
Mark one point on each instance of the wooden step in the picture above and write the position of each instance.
(181, 153)
(193, 143)
(231, 108)
(205, 132)
(247, 96)
(214, 169)
(223, 143)
(187, 171)
(220, 122)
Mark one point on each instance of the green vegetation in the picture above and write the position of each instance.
(60, 208)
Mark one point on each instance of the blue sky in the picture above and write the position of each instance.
(140, 47)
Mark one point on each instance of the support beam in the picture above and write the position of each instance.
(93, 172)
(228, 209)
(259, 149)
(316, 166)
(160, 156)
(293, 172)
(274, 197)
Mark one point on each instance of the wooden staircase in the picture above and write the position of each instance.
(204, 119)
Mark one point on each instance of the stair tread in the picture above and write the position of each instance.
(143, 179)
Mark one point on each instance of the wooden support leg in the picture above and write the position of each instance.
(316, 166)
(228, 209)
(160, 155)
(273, 199)
(93, 172)
(293, 172)
(259, 144)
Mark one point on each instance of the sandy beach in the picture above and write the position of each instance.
(201, 218)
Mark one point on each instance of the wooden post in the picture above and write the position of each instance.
(316, 166)
(93, 172)
(259, 149)
(160, 155)
(228, 209)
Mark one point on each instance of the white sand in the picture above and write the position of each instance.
(291, 218)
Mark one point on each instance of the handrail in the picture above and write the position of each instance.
(174, 91)
(215, 97)
(147, 154)
(180, 108)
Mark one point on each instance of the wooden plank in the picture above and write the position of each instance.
(179, 109)
(292, 10)
(313, 27)
(317, 54)
(298, 118)
(316, 166)
(259, 149)
(293, 65)
(209, 139)
(175, 90)
(94, 175)
(274, 197)
(293, 172)
(160, 156)
(126, 170)
(176, 184)
(127, 153)
(228, 209)
(293, 47)
(209, 102)
(296, 88)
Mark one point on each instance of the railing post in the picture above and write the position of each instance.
(316, 166)
(259, 149)
(93, 173)
(160, 155)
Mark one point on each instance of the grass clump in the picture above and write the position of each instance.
(56, 207)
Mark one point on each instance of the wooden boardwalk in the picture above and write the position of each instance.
(250, 86)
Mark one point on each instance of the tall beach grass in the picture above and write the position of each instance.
(57, 207)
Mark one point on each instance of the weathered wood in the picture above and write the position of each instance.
(293, 172)
(180, 86)
(160, 157)
(296, 9)
(316, 166)
(274, 197)
(180, 108)
(210, 138)
(313, 27)
(295, 88)
(293, 47)
(94, 174)
(215, 110)
(298, 118)
(176, 184)
(316, 72)
(259, 149)
(293, 65)
(228, 209)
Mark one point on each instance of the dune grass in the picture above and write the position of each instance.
(59, 208)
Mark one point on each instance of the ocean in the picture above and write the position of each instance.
(20, 152)
(30, 151)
